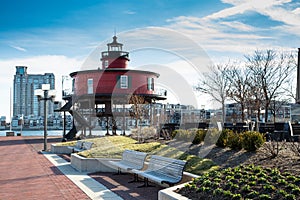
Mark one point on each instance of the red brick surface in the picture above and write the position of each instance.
(27, 174)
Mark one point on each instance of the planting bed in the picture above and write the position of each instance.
(241, 182)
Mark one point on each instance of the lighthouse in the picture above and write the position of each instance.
(96, 91)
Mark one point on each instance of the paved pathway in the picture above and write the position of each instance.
(27, 174)
(90, 186)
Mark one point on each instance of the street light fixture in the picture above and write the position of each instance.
(45, 94)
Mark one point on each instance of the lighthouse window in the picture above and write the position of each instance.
(115, 48)
(150, 84)
(90, 86)
(124, 81)
(106, 63)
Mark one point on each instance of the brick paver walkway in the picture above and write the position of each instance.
(27, 174)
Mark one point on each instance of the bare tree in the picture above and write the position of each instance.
(138, 112)
(290, 88)
(276, 105)
(238, 89)
(215, 83)
(270, 71)
(255, 96)
(138, 108)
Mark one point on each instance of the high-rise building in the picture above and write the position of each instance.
(24, 101)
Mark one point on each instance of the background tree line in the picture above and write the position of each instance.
(258, 83)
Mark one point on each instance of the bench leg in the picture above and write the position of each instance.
(146, 184)
(119, 172)
(135, 179)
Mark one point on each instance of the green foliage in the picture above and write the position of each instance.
(252, 140)
(218, 192)
(114, 146)
(236, 197)
(199, 137)
(184, 135)
(290, 197)
(269, 188)
(257, 183)
(181, 134)
(249, 140)
(296, 191)
(246, 188)
(252, 194)
(196, 136)
(234, 140)
(223, 139)
(212, 136)
(264, 197)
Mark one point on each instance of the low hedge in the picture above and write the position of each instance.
(252, 140)
(249, 140)
(196, 136)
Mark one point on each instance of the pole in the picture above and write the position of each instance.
(124, 119)
(45, 119)
(64, 125)
(10, 109)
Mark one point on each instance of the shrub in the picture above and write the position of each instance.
(234, 140)
(199, 137)
(223, 139)
(295, 147)
(149, 132)
(175, 132)
(180, 134)
(144, 133)
(273, 148)
(252, 140)
(211, 136)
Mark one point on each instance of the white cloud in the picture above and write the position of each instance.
(57, 64)
(296, 11)
(223, 32)
(220, 36)
(241, 6)
(18, 48)
(275, 10)
(239, 26)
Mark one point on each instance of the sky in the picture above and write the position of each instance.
(176, 37)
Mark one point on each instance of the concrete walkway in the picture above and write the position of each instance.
(92, 188)
(26, 173)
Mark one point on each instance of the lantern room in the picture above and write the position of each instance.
(114, 57)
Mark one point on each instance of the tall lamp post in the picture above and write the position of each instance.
(45, 94)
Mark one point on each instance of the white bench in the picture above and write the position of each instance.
(162, 170)
(81, 146)
(130, 160)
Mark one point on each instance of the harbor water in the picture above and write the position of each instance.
(34, 133)
(58, 133)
